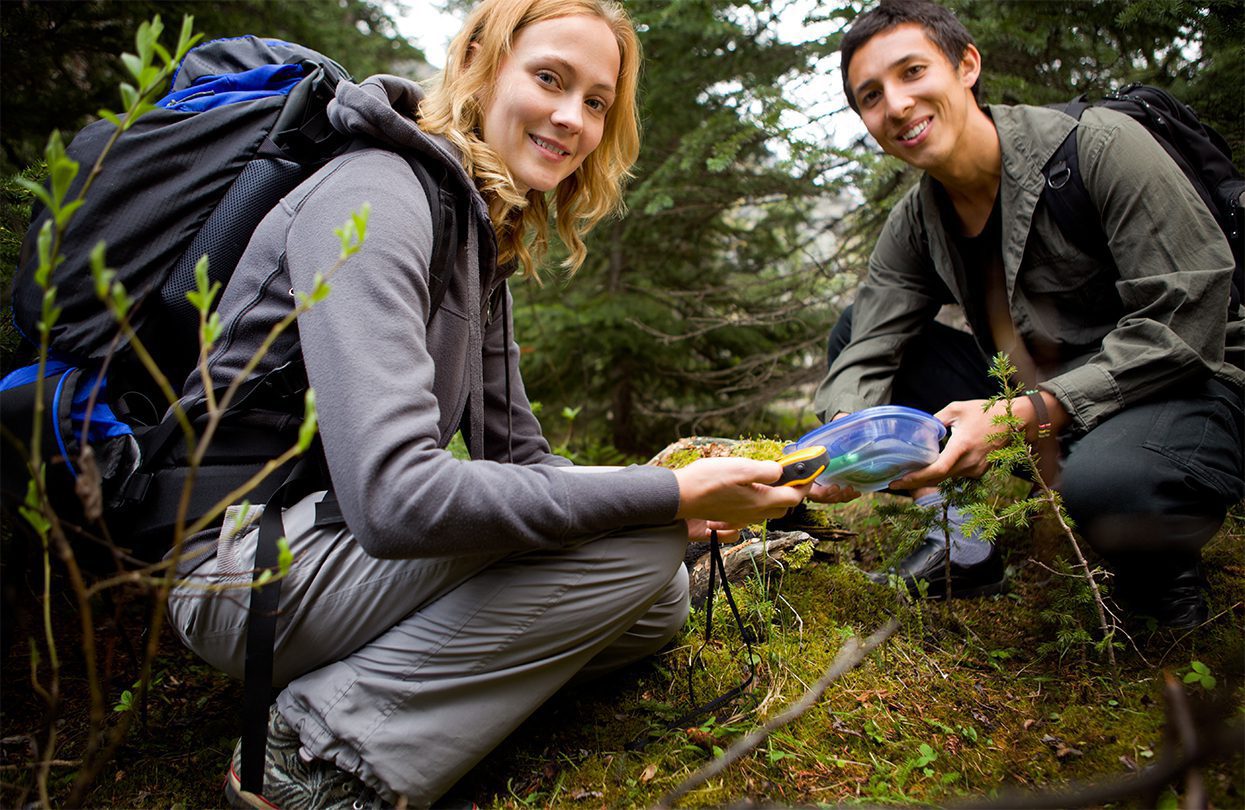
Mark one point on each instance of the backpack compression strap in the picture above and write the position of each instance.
(261, 633)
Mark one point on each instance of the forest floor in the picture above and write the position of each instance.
(964, 700)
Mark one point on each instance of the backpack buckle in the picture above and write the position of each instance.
(1059, 175)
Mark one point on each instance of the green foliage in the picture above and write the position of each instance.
(1050, 50)
(700, 309)
(1068, 612)
(1199, 674)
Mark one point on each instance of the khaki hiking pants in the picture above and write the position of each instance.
(407, 672)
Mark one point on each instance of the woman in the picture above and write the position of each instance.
(458, 595)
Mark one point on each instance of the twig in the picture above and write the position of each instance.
(1196, 749)
(1176, 643)
(1108, 628)
(849, 656)
(1181, 729)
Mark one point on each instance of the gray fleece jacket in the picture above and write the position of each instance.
(392, 387)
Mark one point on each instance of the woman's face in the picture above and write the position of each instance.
(550, 99)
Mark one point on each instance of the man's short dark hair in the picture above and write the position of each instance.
(940, 25)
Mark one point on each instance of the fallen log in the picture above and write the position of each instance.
(743, 558)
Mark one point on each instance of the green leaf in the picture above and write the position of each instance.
(285, 557)
(102, 276)
(133, 64)
(239, 519)
(1199, 667)
(1168, 801)
(111, 117)
(360, 219)
(43, 243)
(120, 299)
(307, 430)
(32, 509)
(212, 329)
(658, 203)
(50, 313)
(1190, 677)
(1209, 682)
(38, 190)
(204, 294)
(129, 100)
(66, 213)
(264, 577)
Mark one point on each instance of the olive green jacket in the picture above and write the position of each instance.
(1104, 337)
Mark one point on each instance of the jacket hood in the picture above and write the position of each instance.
(383, 109)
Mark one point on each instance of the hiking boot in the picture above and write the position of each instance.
(293, 781)
(928, 563)
(1172, 591)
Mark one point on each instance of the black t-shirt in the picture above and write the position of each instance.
(982, 258)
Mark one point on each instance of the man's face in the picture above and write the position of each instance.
(913, 101)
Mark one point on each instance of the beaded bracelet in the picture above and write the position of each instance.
(1043, 415)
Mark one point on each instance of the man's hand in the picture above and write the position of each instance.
(966, 450)
(965, 453)
(733, 492)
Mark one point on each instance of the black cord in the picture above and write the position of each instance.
(716, 566)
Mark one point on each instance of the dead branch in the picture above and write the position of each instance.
(739, 560)
(849, 656)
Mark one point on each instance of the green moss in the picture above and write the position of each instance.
(760, 449)
(681, 458)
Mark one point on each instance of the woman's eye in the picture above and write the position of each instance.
(869, 97)
(597, 105)
(547, 77)
(915, 70)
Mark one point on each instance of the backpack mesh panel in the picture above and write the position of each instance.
(224, 236)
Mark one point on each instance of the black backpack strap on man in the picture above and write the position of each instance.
(1200, 152)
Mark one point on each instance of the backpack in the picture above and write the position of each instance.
(1200, 152)
(243, 124)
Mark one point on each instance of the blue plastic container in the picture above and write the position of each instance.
(873, 447)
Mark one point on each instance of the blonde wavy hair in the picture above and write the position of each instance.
(454, 109)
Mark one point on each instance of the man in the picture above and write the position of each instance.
(1125, 359)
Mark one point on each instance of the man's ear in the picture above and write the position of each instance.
(969, 68)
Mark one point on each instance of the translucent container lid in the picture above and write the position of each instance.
(872, 447)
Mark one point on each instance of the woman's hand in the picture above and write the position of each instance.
(832, 493)
(699, 530)
(733, 492)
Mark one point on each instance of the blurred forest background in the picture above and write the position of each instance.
(753, 208)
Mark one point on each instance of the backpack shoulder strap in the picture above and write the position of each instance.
(441, 202)
(1065, 195)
